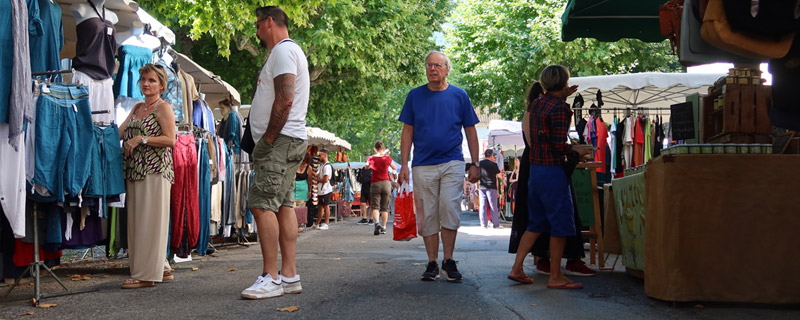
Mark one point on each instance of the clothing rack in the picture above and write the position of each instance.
(35, 269)
(47, 73)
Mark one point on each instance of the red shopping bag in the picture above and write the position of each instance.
(405, 224)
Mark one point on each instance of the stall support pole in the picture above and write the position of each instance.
(35, 269)
(36, 265)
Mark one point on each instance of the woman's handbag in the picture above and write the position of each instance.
(717, 31)
(247, 144)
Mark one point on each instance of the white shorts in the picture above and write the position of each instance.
(437, 196)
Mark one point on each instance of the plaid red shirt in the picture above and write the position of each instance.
(549, 124)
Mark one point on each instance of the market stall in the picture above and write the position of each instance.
(718, 195)
(103, 53)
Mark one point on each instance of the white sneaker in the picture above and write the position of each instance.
(315, 227)
(323, 226)
(291, 285)
(263, 288)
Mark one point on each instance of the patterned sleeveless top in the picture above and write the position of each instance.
(147, 159)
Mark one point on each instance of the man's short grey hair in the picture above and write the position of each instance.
(554, 78)
(444, 56)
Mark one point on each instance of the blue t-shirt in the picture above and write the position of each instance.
(437, 118)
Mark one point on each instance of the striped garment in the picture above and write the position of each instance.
(147, 159)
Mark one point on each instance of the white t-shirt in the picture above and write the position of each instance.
(327, 170)
(286, 57)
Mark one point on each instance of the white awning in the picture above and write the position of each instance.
(207, 82)
(647, 89)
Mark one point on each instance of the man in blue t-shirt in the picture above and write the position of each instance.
(433, 116)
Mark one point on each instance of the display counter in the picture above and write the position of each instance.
(722, 228)
(630, 199)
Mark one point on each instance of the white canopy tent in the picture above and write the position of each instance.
(319, 137)
(645, 90)
(505, 132)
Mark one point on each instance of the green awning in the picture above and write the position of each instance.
(611, 20)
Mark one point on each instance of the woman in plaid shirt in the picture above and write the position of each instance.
(549, 199)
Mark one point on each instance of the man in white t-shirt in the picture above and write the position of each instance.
(323, 179)
(277, 122)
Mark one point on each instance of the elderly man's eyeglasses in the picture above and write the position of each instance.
(434, 65)
(256, 23)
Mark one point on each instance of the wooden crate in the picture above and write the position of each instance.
(745, 113)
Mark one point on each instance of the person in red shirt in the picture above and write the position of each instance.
(380, 189)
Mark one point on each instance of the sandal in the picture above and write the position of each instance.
(133, 284)
(568, 285)
(521, 279)
(167, 276)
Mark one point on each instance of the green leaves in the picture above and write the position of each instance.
(499, 47)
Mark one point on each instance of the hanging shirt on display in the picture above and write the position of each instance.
(174, 93)
(46, 36)
(600, 153)
(95, 45)
(131, 58)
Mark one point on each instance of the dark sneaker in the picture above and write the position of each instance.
(431, 272)
(377, 229)
(383, 230)
(370, 221)
(578, 268)
(450, 270)
(362, 221)
(543, 266)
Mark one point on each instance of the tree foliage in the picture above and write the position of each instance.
(499, 47)
(364, 55)
(225, 21)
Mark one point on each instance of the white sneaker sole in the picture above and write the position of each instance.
(293, 288)
(450, 279)
(258, 296)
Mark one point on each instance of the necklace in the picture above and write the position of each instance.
(147, 107)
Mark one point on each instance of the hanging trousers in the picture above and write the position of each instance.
(204, 197)
(185, 212)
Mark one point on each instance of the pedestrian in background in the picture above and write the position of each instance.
(364, 177)
(433, 116)
(488, 189)
(323, 180)
(278, 124)
(380, 186)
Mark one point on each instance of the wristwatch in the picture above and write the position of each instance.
(475, 164)
(144, 139)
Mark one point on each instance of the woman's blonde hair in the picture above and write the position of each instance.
(158, 71)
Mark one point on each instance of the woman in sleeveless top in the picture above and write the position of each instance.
(148, 136)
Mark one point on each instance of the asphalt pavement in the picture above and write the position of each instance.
(349, 273)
